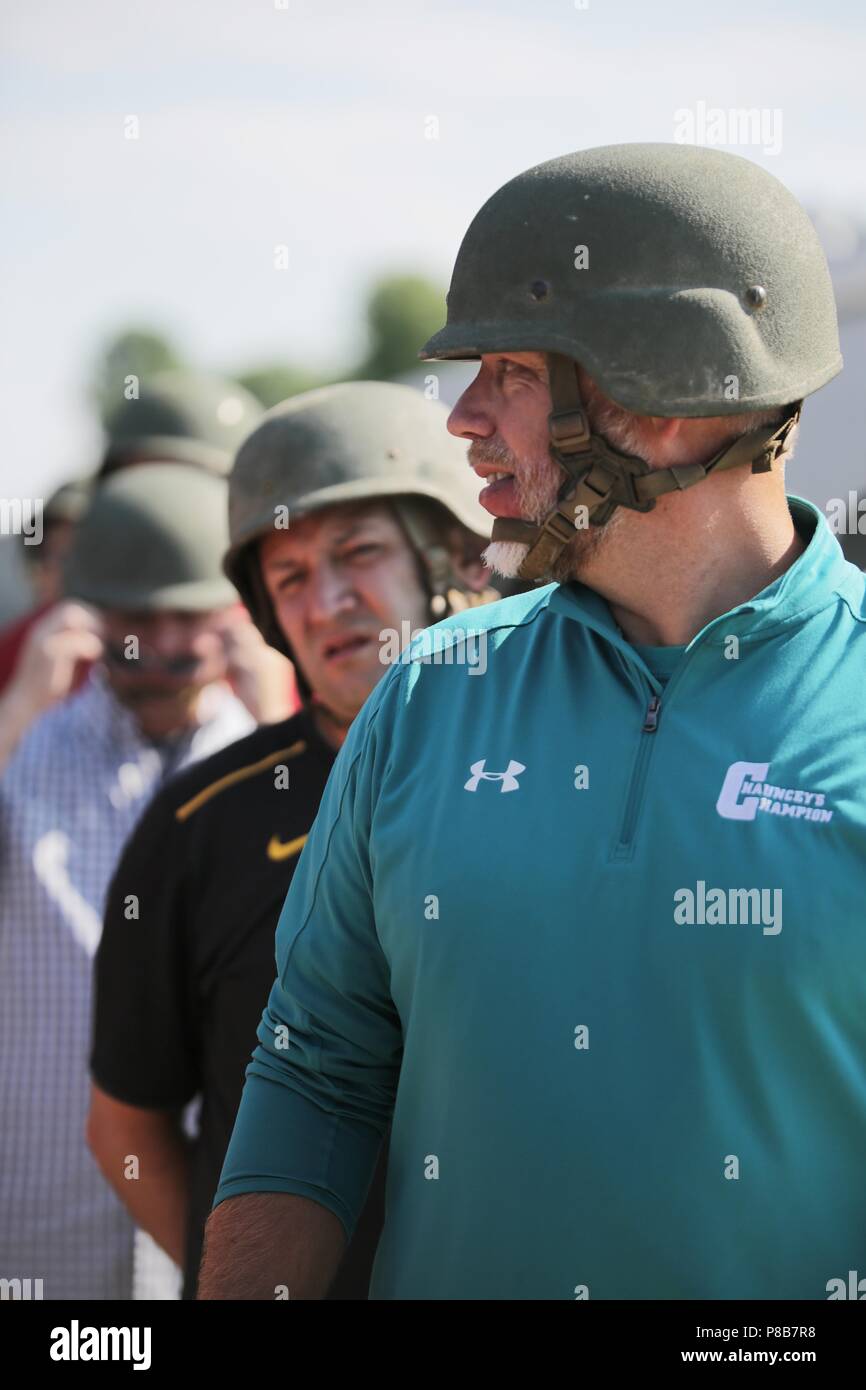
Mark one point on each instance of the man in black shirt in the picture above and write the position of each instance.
(385, 534)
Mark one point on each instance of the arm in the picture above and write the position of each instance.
(320, 1088)
(260, 1244)
(63, 637)
(154, 1190)
(144, 1059)
(16, 715)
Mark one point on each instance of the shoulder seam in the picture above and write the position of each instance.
(849, 604)
(446, 625)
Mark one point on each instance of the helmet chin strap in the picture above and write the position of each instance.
(602, 478)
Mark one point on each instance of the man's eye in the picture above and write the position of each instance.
(509, 368)
(365, 549)
(288, 581)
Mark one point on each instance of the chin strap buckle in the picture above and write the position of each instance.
(775, 445)
(569, 430)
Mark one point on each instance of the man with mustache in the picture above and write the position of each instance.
(352, 514)
(592, 1092)
(148, 604)
(175, 416)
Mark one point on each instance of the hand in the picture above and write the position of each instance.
(260, 676)
(67, 634)
(46, 667)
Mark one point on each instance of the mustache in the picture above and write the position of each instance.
(148, 663)
(135, 695)
(538, 480)
(494, 451)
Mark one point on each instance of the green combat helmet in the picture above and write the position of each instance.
(353, 442)
(182, 416)
(686, 281)
(153, 538)
(67, 504)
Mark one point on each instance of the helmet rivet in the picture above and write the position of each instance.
(756, 296)
(539, 289)
(393, 453)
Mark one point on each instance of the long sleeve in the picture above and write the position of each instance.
(321, 1084)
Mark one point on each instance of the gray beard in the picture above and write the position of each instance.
(538, 485)
(506, 557)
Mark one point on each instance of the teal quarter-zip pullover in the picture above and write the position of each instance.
(595, 943)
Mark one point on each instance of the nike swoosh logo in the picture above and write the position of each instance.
(278, 850)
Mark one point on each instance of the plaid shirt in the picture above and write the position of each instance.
(69, 797)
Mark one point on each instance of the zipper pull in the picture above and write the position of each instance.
(651, 721)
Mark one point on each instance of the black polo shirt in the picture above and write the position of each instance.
(181, 986)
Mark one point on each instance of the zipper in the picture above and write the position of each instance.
(651, 720)
(625, 846)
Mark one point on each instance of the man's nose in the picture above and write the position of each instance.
(329, 594)
(472, 416)
(168, 635)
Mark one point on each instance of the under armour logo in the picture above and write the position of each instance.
(507, 778)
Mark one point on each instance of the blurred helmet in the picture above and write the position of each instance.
(66, 505)
(152, 538)
(353, 442)
(69, 501)
(687, 282)
(182, 416)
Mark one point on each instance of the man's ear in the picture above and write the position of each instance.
(664, 428)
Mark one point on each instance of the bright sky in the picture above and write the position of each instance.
(305, 125)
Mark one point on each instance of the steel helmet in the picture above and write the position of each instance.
(67, 504)
(688, 282)
(152, 538)
(353, 442)
(182, 416)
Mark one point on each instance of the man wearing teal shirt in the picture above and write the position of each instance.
(582, 913)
